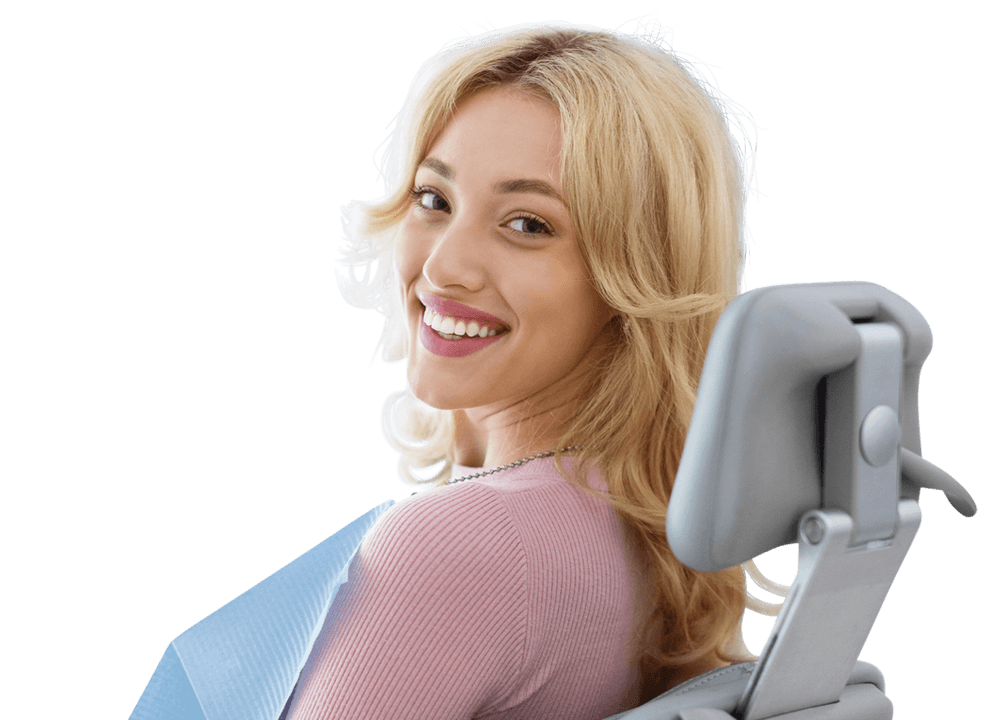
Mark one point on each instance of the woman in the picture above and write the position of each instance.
(566, 232)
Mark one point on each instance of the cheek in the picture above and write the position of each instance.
(408, 254)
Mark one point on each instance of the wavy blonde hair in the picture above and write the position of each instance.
(654, 183)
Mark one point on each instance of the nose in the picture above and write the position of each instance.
(457, 257)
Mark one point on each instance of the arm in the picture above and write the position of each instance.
(432, 623)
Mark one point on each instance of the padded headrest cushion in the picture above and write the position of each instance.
(751, 464)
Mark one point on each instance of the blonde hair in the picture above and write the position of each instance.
(654, 183)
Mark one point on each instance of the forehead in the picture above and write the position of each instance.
(501, 132)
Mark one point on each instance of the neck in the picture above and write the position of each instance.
(484, 439)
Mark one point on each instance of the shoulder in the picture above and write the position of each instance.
(445, 534)
(435, 598)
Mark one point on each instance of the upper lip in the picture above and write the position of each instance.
(450, 308)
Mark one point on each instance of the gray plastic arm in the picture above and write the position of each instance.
(927, 475)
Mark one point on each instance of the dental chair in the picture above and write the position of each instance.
(805, 430)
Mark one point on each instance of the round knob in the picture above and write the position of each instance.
(813, 530)
(880, 436)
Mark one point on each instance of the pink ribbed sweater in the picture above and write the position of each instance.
(508, 596)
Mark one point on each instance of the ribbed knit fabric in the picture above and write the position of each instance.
(508, 596)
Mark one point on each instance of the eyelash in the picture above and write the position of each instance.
(417, 193)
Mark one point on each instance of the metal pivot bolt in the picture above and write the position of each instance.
(813, 530)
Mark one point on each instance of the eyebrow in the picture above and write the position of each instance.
(539, 187)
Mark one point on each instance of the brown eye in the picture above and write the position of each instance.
(530, 225)
(428, 199)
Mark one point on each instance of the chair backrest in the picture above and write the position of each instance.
(806, 429)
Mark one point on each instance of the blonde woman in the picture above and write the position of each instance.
(564, 234)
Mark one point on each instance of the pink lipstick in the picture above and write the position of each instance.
(438, 345)
(463, 346)
(450, 308)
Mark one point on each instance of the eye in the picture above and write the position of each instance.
(529, 225)
(427, 199)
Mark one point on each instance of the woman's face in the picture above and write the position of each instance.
(488, 243)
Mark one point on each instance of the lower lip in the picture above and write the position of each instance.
(438, 345)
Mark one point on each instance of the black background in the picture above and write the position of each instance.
(249, 426)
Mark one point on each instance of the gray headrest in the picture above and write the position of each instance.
(751, 465)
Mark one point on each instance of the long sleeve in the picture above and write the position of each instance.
(433, 620)
(508, 597)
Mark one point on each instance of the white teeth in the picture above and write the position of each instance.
(455, 329)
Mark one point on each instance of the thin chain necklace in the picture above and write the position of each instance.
(482, 473)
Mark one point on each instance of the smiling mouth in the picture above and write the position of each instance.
(456, 328)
